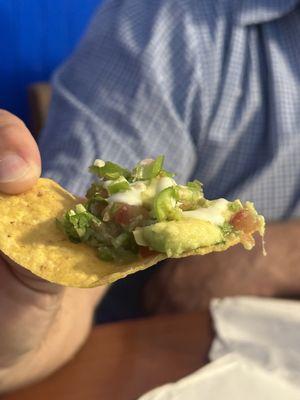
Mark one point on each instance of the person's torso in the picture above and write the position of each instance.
(249, 141)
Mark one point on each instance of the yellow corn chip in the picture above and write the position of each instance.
(29, 236)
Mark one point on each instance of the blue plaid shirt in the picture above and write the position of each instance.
(214, 85)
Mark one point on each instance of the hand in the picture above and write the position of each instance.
(20, 167)
(24, 298)
(189, 284)
(37, 318)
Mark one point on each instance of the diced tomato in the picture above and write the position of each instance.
(125, 214)
(146, 252)
(245, 221)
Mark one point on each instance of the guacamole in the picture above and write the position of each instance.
(176, 237)
(129, 214)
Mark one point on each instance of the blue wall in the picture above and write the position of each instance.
(35, 37)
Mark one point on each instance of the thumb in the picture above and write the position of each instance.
(20, 163)
(20, 167)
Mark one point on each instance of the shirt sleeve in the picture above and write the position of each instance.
(127, 93)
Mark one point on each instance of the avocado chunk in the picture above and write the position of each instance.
(177, 237)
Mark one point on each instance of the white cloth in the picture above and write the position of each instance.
(265, 331)
(229, 378)
(256, 351)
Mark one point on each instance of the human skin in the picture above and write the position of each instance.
(189, 284)
(37, 318)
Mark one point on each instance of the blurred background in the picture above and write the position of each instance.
(36, 36)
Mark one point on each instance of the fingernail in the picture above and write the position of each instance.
(14, 168)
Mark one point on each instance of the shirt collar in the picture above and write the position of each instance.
(251, 12)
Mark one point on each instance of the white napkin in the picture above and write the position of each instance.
(265, 331)
(229, 378)
(257, 353)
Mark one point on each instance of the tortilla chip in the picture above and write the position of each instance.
(29, 236)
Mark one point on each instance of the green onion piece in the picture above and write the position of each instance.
(109, 171)
(165, 205)
(119, 185)
(148, 171)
